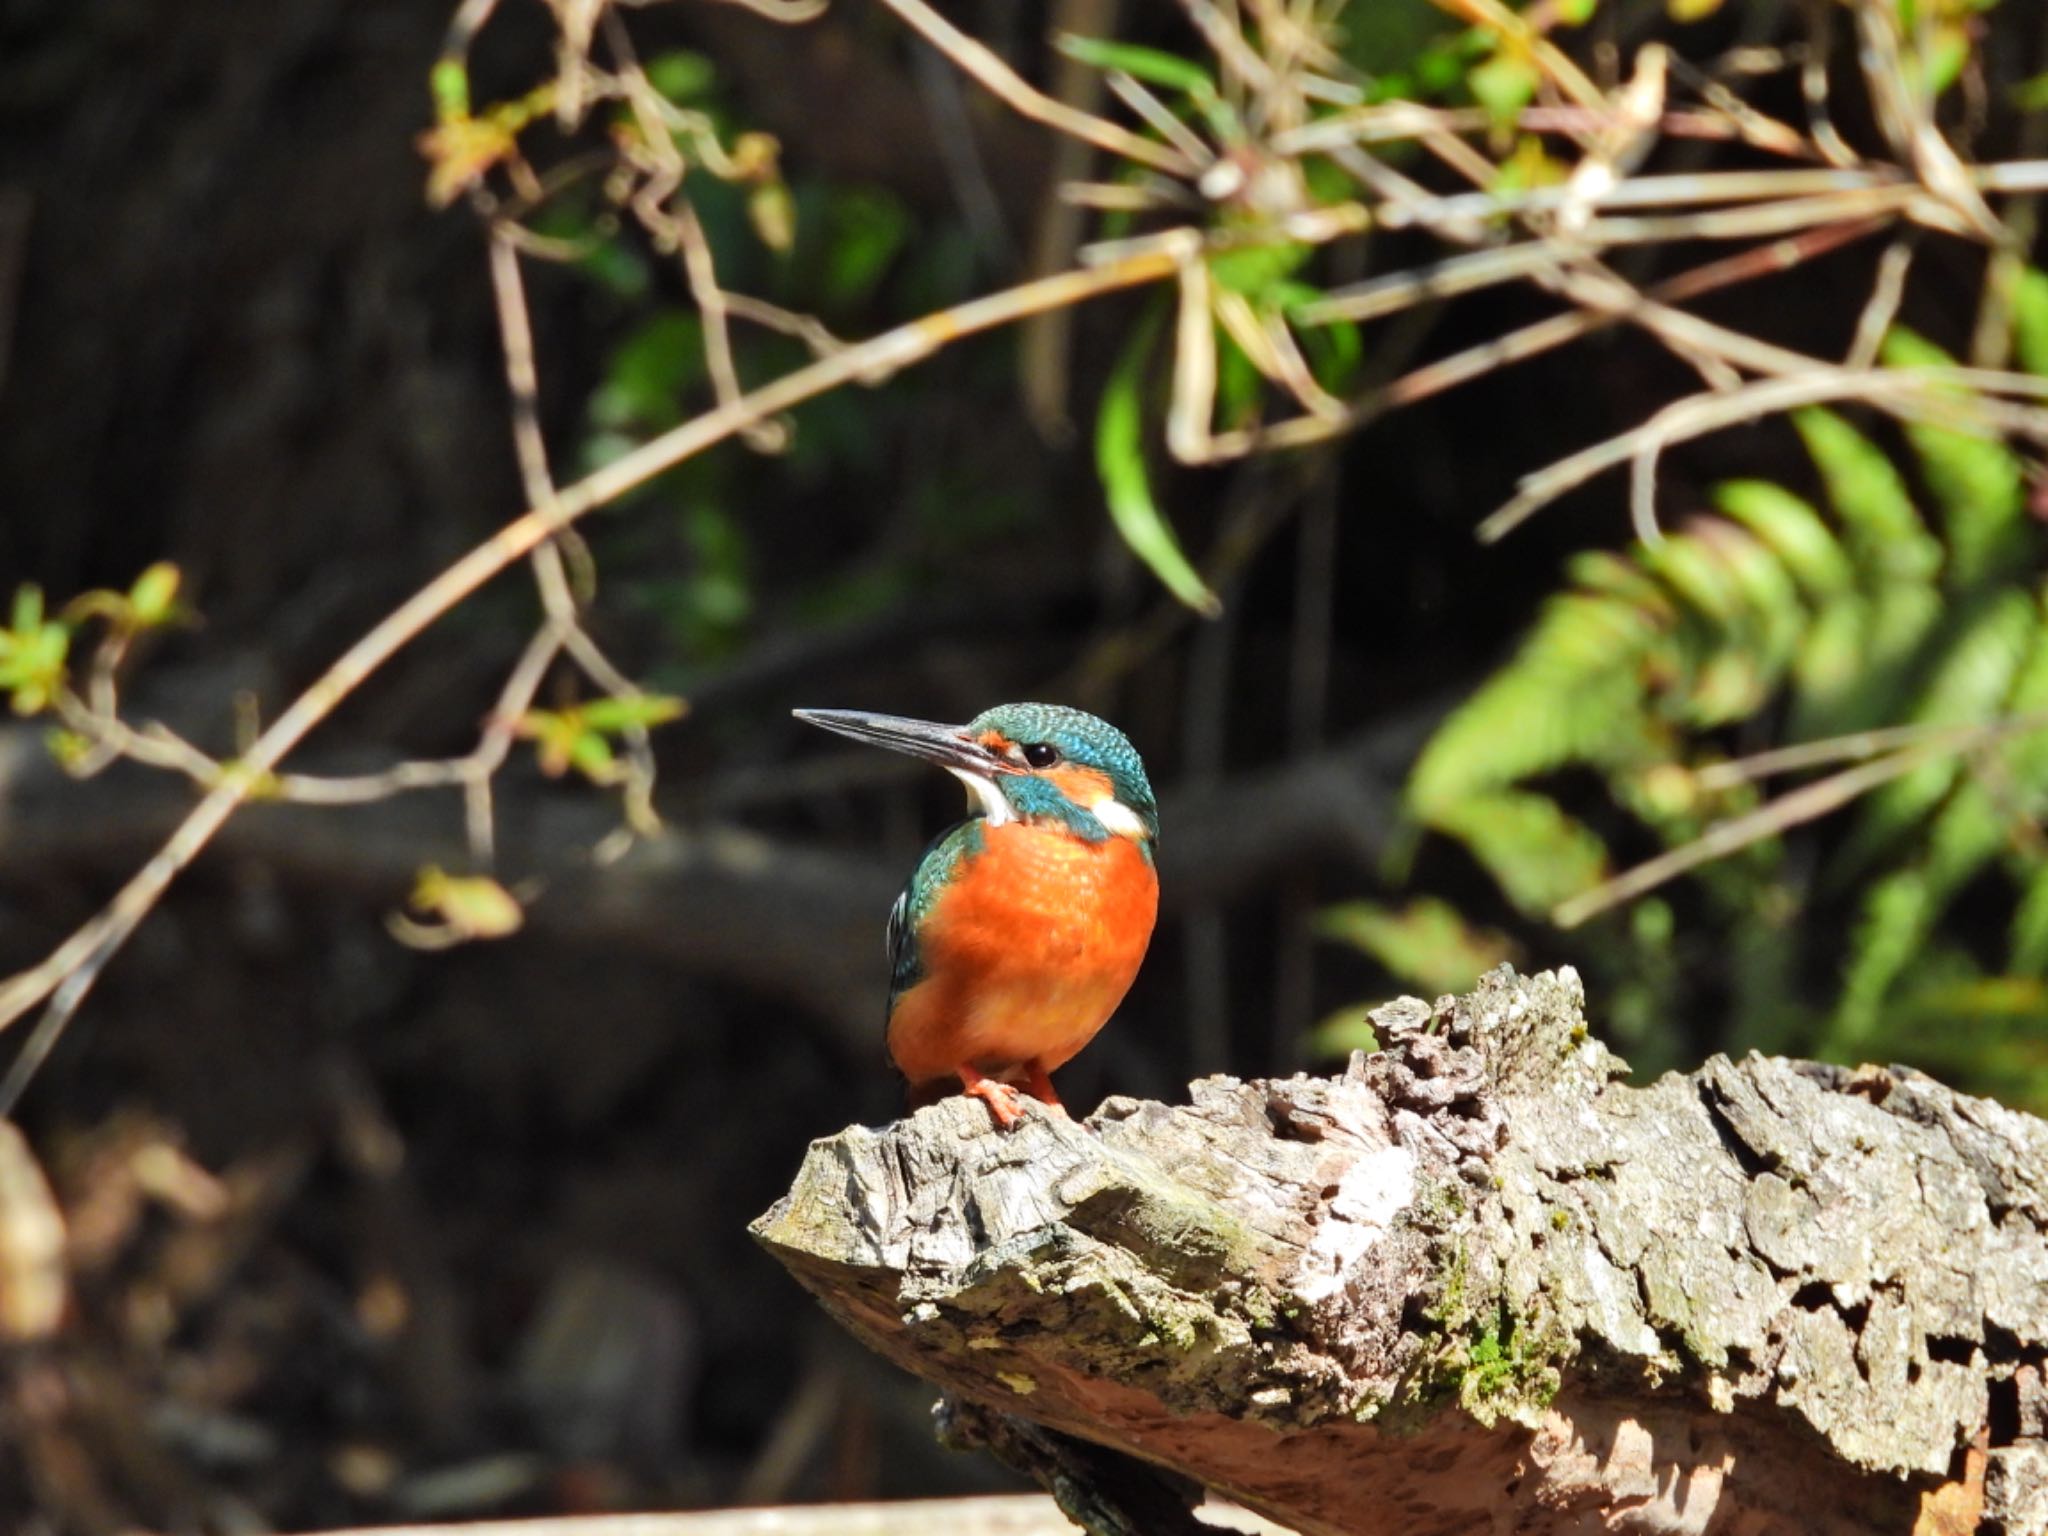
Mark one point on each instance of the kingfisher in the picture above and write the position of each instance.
(1022, 927)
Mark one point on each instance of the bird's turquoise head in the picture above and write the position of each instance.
(1040, 763)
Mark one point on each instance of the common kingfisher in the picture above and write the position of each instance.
(1024, 925)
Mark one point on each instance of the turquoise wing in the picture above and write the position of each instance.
(941, 864)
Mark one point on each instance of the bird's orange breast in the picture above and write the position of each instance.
(1026, 954)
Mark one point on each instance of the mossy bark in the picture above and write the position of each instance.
(1478, 1283)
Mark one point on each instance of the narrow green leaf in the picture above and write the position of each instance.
(1891, 930)
(2030, 321)
(591, 755)
(153, 599)
(1790, 526)
(1427, 944)
(646, 710)
(1120, 462)
(1884, 534)
(681, 75)
(1978, 481)
(448, 83)
(1536, 853)
(1151, 65)
(1503, 85)
(1970, 685)
(2030, 927)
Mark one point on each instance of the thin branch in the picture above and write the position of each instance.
(1859, 746)
(1027, 100)
(88, 949)
(1790, 810)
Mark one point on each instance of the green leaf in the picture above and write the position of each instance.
(651, 375)
(473, 906)
(1792, 528)
(153, 600)
(448, 83)
(28, 608)
(1968, 686)
(1536, 853)
(1504, 85)
(682, 76)
(1891, 930)
(33, 653)
(2030, 321)
(1120, 461)
(1604, 572)
(612, 715)
(1978, 481)
(1884, 534)
(591, 755)
(1427, 944)
(1258, 271)
(1831, 665)
(866, 230)
(2030, 926)
(1342, 1032)
(1572, 693)
(1151, 65)
(1948, 50)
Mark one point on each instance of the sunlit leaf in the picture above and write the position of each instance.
(1120, 461)
(448, 83)
(1880, 527)
(153, 600)
(1152, 65)
(463, 907)
(1504, 85)
(1793, 530)
(1342, 1032)
(1978, 481)
(1970, 685)
(681, 75)
(2030, 320)
(644, 710)
(1426, 944)
(1258, 271)
(772, 213)
(1536, 853)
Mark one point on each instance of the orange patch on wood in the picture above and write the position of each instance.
(1026, 955)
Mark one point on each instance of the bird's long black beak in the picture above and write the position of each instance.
(947, 745)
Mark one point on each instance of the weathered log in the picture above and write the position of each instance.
(1478, 1283)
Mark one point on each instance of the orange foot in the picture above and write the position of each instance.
(1000, 1098)
(1039, 1085)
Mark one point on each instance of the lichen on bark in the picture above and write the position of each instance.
(1479, 1277)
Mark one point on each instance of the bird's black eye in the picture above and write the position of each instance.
(1041, 754)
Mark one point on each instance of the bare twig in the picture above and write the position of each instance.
(1801, 805)
(89, 948)
(1006, 84)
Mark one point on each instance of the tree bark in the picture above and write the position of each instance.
(1477, 1283)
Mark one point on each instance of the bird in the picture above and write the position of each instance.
(1023, 926)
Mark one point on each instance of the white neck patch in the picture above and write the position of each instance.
(1119, 818)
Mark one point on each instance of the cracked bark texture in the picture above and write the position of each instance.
(1477, 1283)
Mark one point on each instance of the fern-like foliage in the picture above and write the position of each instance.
(1769, 620)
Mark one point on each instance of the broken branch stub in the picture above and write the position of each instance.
(1479, 1283)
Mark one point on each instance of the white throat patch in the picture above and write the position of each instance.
(993, 805)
